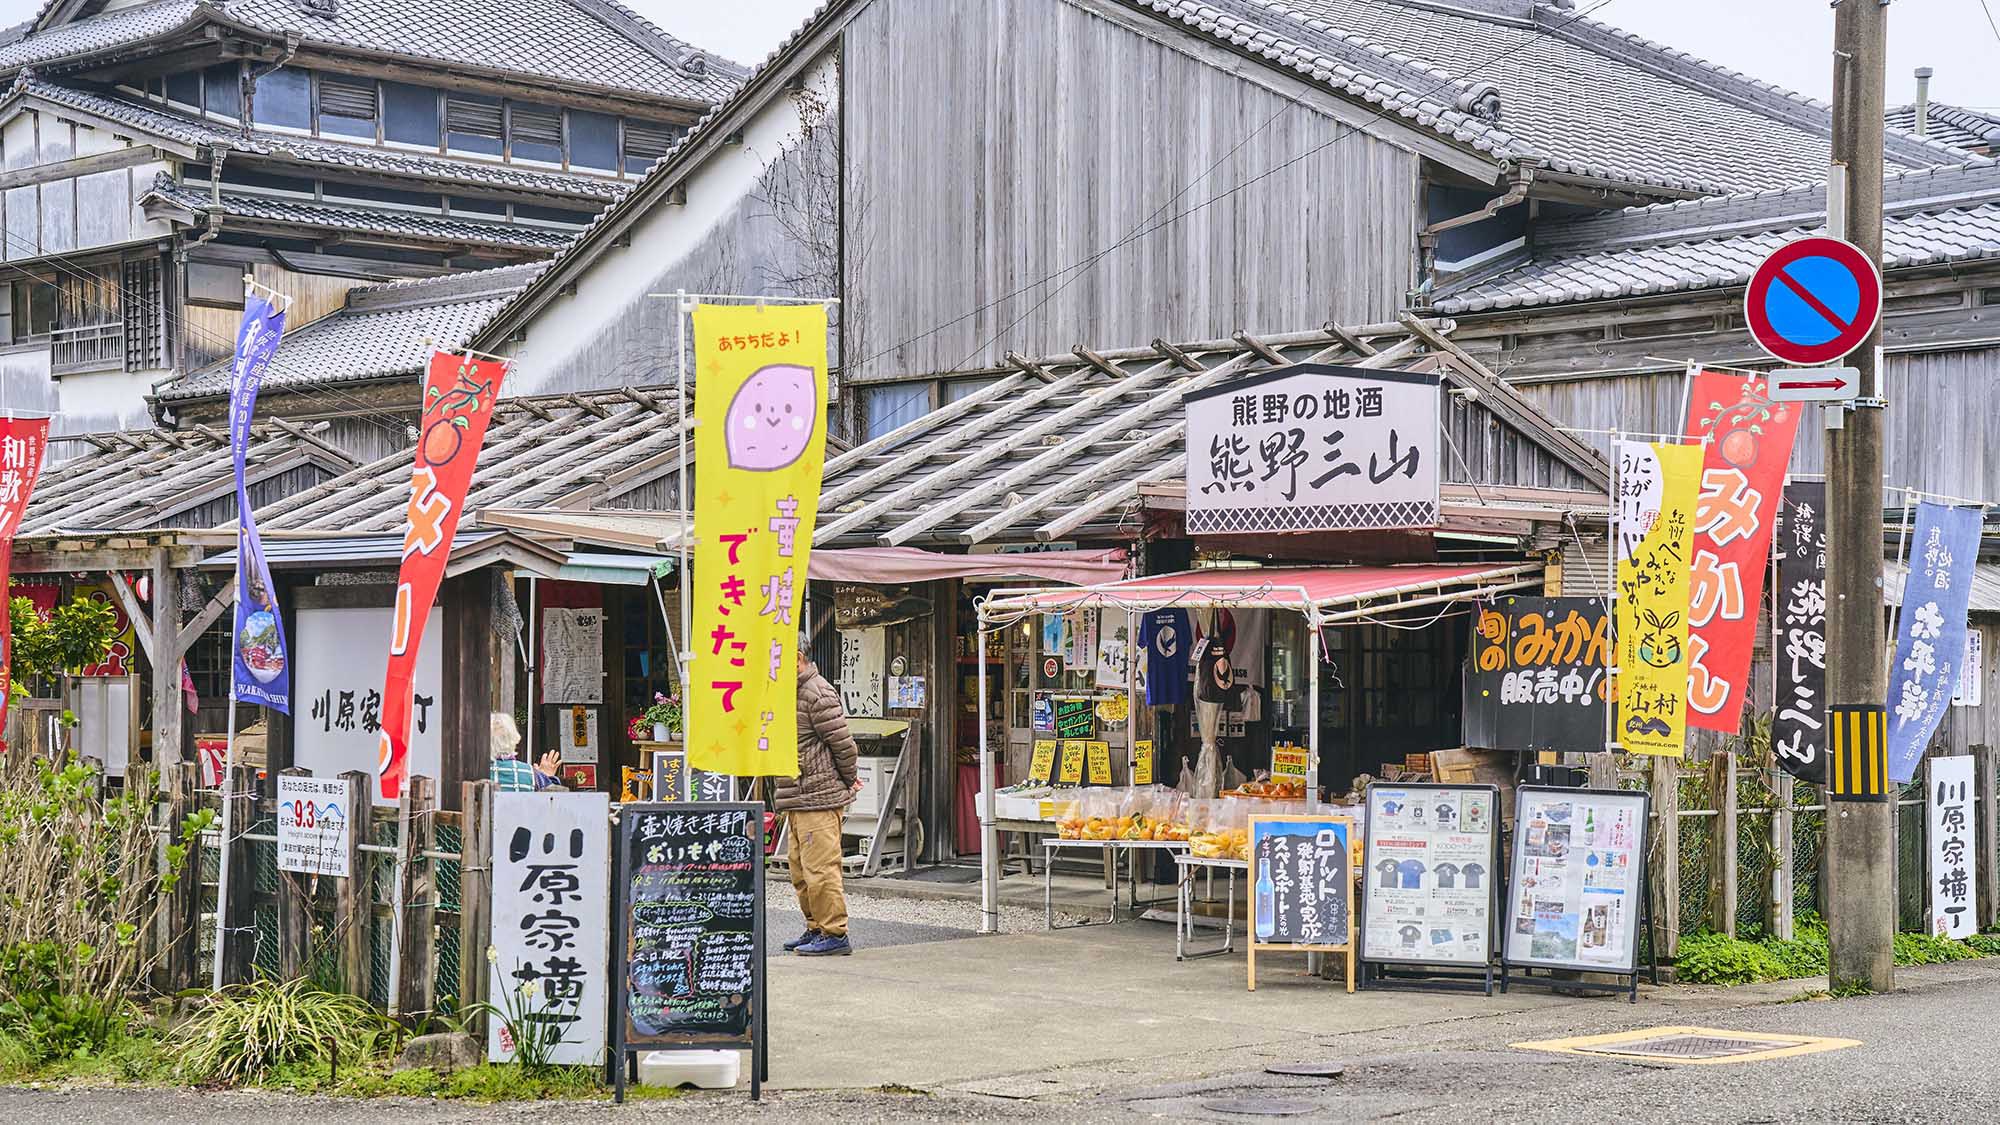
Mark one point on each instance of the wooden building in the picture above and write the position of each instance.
(979, 178)
(156, 152)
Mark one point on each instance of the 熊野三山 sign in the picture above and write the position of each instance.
(760, 449)
(1313, 447)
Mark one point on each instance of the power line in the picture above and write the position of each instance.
(1091, 260)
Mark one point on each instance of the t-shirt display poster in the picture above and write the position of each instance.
(1579, 869)
(1430, 859)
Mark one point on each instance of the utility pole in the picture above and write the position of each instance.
(1860, 857)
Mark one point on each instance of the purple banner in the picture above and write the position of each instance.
(262, 673)
(1930, 630)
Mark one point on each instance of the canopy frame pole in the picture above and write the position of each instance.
(1313, 640)
(989, 832)
(684, 658)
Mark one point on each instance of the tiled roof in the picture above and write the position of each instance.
(132, 480)
(599, 44)
(1949, 124)
(1592, 100)
(100, 33)
(383, 331)
(365, 220)
(195, 131)
(1931, 216)
(553, 451)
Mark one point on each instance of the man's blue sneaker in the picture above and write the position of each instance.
(806, 938)
(826, 945)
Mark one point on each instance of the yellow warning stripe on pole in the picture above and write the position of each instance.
(1857, 765)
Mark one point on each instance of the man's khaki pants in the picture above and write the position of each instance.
(814, 850)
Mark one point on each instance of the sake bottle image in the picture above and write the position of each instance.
(1267, 922)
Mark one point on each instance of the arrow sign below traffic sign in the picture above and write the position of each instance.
(1815, 384)
(1814, 300)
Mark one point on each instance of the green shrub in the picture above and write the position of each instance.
(1712, 958)
(39, 1009)
(249, 1032)
(1929, 949)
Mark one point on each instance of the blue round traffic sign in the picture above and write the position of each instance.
(1814, 300)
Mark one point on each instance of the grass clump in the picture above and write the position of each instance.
(247, 1033)
(1713, 958)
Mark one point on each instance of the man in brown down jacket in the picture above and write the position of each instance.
(812, 804)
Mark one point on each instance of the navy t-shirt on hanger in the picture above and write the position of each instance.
(1168, 639)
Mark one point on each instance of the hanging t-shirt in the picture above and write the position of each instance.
(1168, 639)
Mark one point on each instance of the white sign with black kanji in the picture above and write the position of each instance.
(1314, 447)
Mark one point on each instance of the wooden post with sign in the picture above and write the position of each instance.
(1986, 764)
(1782, 864)
(1666, 880)
(354, 896)
(1722, 843)
(414, 942)
(294, 912)
(475, 902)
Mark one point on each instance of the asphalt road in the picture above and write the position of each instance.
(1923, 1056)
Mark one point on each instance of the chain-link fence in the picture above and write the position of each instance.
(379, 868)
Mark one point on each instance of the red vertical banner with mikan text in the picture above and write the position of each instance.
(459, 392)
(23, 444)
(1742, 479)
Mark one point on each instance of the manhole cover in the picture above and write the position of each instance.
(1260, 1107)
(1692, 1047)
(1307, 1070)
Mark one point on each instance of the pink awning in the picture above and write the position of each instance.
(1297, 588)
(898, 565)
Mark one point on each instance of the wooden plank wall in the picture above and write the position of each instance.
(1941, 413)
(988, 146)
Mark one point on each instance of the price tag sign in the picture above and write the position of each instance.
(1100, 762)
(1043, 764)
(1072, 762)
(1142, 762)
(1288, 763)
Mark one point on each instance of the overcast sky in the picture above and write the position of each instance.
(1783, 41)
(1789, 42)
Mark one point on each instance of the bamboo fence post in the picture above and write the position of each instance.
(1666, 878)
(475, 903)
(180, 908)
(294, 913)
(239, 921)
(416, 933)
(1783, 879)
(354, 896)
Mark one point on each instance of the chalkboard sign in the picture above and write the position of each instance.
(690, 929)
(1076, 718)
(1302, 883)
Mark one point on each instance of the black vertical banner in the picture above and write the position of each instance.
(1799, 728)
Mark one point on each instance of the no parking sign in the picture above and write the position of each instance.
(1814, 300)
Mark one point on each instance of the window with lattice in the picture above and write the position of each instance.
(145, 316)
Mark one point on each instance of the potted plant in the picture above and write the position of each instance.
(661, 719)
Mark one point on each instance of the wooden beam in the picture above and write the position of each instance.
(354, 896)
(185, 637)
(1031, 367)
(142, 626)
(1354, 343)
(415, 940)
(1254, 344)
(312, 439)
(1177, 355)
(169, 710)
(1101, 363)
(475, 901)
(1110, 466)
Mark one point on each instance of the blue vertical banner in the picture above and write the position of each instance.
(263, 674)
(1930, 632)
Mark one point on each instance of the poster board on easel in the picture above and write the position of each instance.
(1302, 886)
(1430, 870)
(1577, 898)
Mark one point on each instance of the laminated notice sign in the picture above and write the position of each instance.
(1576, 896)
(1429, 868)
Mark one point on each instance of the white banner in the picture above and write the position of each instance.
(1948, 793)
(339, 659)
(1313, 447)
(313, 825)
(1971, 688)
(863, 652)
(551, 919)
(572, 655)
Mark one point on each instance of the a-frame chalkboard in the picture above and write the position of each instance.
(689, 933)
